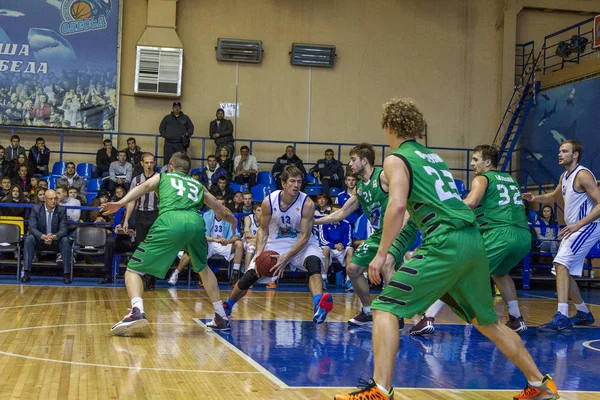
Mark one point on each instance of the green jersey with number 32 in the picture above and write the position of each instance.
(179, 192)
(501, 204)
(433, 200)
(373, 199)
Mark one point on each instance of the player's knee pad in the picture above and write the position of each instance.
(312, 265)
(247, 280)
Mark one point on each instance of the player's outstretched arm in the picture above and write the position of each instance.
(478, 187)
(134, 194)
(220, 210)
(555, 196)
(339, 215)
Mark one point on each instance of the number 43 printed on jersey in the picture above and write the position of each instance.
(181, 189)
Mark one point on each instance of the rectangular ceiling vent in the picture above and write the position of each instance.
(158, 71)
(313, 55)
(239, 50)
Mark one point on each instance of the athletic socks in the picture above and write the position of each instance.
(139, 303)
(434, 309)
(230, 303)
(236, 267)
(536, 384)
(384, 390)
(218, 305)
(366, 310)
(563, 308)
(513, 308)
(582, 307)
(316, 300)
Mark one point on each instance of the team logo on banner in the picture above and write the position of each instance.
(84, 15)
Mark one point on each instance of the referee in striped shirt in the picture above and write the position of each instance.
(146, 207)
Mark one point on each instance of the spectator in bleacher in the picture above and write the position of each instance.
(330, 172)
(211, 172)
(289, 158)
(322, 207)
(336, 242)
(134, 156)
(15, 195)
(221, 130)
(41, 109)
(74, 194)
(245, 167)
(222, 189)
(15, 148)
(546, 229)
(247, 202)
(38, 197)
(48, 230)
(16, 164)
(238, 200)
(43, 184)
(196, 175)
(120, 172)
(226, 162)
(251, 225)
(124, 242)
(119, 193)
(341, 199)
(72, 179)
(39, 157)
(4, 163)
(104, 157)
(177, 129)
(23, 179)
(5, 185)
(73, 214)
(95, 215)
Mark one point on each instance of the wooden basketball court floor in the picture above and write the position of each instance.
(55, 344)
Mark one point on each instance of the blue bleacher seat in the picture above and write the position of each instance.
(265, 178)
(59, 168)
(52, 181)
(311, 180)
(90, 196)
(460, 186)
(86, 170)
(196, 170)
(236, 187)
(533, 216)
(94, 185)
(313, 190)
(333, 191)
(259, 192)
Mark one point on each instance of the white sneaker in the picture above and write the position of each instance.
(173, 279)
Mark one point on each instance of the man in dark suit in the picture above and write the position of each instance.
(48, 231)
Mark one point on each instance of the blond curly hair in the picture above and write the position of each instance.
(404, 118)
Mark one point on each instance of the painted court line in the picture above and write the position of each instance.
(280, 384)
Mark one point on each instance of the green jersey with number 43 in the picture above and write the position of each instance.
(179, 192)
(373, 199)
(433, 200)
(501, 204)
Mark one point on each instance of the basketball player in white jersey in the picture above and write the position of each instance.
(251, 225)
(286, 227)
(579, 190)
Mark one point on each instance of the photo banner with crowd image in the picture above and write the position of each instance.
(59, 63)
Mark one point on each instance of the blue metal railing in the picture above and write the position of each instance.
(524, 56)
(341, 149)
(553, 40)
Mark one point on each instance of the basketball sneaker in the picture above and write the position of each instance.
(173, 279)
(227, 309)
(362, 319)
(135, 319)
(235, 276)
(583, 319)
(368, 390)
(560, 323)
(272, 285)
(219, 323)
(348, 285)
(423, 327)
(516, 324)
(545, 392)
(325, 306)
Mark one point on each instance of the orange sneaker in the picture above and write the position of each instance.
(545, 392)
(368, 391)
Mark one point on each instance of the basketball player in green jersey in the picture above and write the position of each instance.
(451, 263)
(496, 199)
(371, 193)
(178, 227)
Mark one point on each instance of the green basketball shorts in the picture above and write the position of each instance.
(403, 242)
(505, 247)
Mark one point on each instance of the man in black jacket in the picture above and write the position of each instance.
(48, 231)
(134, 156)
(104, 157)
(289, 158)
(177, 129)
(330, 171)
(221, 130)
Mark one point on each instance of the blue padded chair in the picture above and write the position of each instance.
(460, 186)
(59, 168)
(334, 191)
(90, 196)
(259, 192)
(52, 181)
(86, 170)
(236, 187)
(313, 190)
(94, 185)
(265, 178)
(196, 170)
(593, 253)
(311, 180)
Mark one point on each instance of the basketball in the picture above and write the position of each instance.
(81, 10)
(264, 262)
